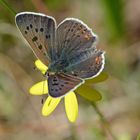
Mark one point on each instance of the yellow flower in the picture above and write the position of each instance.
(70, 100)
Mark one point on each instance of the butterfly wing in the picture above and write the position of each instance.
(77, 50)
(73, 36)
(90, 64)
(39, 31)
(60, 84)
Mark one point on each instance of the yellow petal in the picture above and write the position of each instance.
(39, 88)
(49, 105)
(43, 68)
(71, 106)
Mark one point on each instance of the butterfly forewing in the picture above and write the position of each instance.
(39, 31)
(73, 36)
(60, 84)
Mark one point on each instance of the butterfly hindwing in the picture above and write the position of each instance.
(60, 84)
(39, 31)
(90, 64)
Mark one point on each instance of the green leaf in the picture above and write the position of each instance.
(124, 136)
(114, 17)
(138, 137)
(89, 93)
(100, 78)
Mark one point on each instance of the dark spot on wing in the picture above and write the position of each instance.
(41, 29)
(78, 35)
(36, 29)
(27, 27)
(54, 80)
(60, 88)
(75, 74)
(71, 30)
(67, 41)
(82, 32)
(47, 36)
(40, 46)
(62, 85)
(56, 89)
(34, 39)
(26, 32)
(31, 26)
(66, 82)
(94, 38)
(79, 28)
(55, 84)
(49, 22)
(54, 77)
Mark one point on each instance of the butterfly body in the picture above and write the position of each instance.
(58, 66)
(68, 50)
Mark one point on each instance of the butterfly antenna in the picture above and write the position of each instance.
(43, 91)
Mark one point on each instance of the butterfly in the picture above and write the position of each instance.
(68, 49)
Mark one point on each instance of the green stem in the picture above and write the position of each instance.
(6, 5)
(73, 132)
(105, 123)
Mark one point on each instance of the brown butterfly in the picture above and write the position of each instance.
(68, 50)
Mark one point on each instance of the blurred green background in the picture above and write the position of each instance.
(117, 23)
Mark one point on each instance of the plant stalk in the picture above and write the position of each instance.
(104, 122)
(7, 6)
